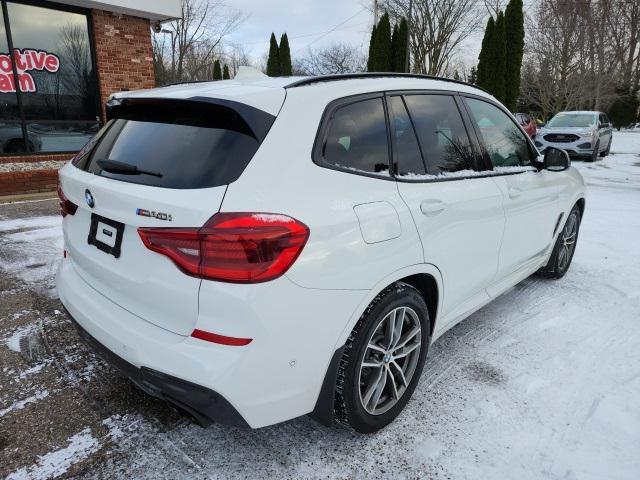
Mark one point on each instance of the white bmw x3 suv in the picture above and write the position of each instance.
(258, 249)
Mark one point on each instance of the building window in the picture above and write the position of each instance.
(53, 104)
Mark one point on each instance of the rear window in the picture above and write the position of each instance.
(181, 145)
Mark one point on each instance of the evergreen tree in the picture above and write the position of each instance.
(372, 42)
(217, 71)
(225, 72)
(514, 21)
(273, 61)
(400, 62)
(623, 110)
(382, 48)
(284, 54)
(484, 59)
(395, 38)
(456, 75)
(499, 61)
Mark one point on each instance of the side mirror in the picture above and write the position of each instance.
(556, 160)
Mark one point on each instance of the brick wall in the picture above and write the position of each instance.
(123, 52)
(35, 181)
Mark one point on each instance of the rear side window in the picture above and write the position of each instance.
(406, 151)
(441, 132)
(504, 142)
(356, 138)
(180, 146)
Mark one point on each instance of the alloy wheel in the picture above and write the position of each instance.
(390, 360)
(568, 241)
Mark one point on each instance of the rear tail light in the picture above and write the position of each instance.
(67, 207)
(232, 247)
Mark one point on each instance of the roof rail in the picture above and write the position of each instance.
(185, 82)
(350, 76)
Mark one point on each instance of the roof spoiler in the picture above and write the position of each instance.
(256, 122)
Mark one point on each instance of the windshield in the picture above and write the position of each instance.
(573, 120)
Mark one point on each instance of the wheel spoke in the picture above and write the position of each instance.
(397, 331)
(407, 338)
(371, 389)
(379, 388)
(394, 387)
(406, 350)
(390, 328)
(400, 372)
(376, 347)
(370, 364)
(561, 255)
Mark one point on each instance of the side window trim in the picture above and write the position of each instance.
(392, 131)
(468, 125)
(533, 151)
(323, 130)
(484, 162)
(463, 116)
(473, 134)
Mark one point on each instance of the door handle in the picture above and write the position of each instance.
(432, 207)
(514, 192)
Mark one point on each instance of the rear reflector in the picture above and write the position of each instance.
(232, 247)
(221, 339)
(67, 207)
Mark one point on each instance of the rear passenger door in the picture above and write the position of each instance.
(530, 196)
(458, 214)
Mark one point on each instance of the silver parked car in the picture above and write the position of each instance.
(583, 134)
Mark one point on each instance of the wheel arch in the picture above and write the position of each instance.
(581, 204)
(426, 278)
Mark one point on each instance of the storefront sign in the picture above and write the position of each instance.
(27, 60)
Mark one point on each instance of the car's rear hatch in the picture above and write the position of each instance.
(157, 163)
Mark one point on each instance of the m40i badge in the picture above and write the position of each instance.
(150, 213)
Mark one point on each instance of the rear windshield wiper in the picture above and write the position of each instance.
(113, 166)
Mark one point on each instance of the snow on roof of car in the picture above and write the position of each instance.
(254, 88)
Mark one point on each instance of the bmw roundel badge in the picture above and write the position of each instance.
(89, 199)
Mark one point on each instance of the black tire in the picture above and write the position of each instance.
(560, 260)
(596, 152)
(348, 407)
(608, 150)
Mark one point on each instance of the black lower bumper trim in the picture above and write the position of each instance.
(203, 404)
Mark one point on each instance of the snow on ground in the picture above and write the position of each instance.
(56, 463)
(31, 249)
(543, 383)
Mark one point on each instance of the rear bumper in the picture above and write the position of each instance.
(277, 377)
(203, 404)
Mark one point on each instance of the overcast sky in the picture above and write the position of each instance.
(317, 23)
(307, 23)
